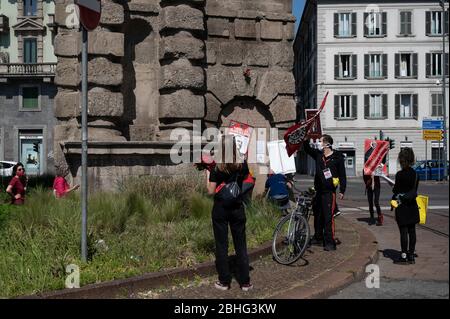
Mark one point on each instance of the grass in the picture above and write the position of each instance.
(164, 224)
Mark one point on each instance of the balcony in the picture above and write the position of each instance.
(21, 70)
(4, 26)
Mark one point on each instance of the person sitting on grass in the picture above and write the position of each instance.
(60, 186)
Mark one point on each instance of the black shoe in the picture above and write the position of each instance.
(337, 214)
(402, 260)
(337, 241)
(371, 221)
(329, 248)
(411, 258)
(316, 242)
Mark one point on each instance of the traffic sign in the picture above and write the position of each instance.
(90, 12)
(433, 135)
(429, 124)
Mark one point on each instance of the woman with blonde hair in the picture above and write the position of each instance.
(225, 183)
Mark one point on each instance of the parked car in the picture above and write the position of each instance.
(6, 168)
(431, 170)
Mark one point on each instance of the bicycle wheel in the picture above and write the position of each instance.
(290, 239)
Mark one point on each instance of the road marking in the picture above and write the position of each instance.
(388, 207)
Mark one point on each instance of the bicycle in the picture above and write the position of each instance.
(289, 244)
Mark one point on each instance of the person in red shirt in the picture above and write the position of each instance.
(60, 186)
(18, 185)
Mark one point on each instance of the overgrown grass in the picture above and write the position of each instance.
(150, 225)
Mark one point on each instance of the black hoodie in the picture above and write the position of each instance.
(334, 162)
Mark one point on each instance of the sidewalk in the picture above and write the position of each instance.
(317, 274)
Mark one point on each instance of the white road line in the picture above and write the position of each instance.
(388, 207)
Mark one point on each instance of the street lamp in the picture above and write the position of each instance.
(442, 3)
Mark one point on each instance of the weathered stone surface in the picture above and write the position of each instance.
(101, 71)
(67, 44)
(142, 132)
(283, 109)
(213, 108)
(147, 51)
(106, 43)
(211, 52)
(257, 55)
(289, 31)
(182, 75)
(67, 72)
(218, 27)
(245, 29)
(282, 55)
(182, 45)
(67, 132)
(181, 104)
(112, 13)
(148, 6)
(182, 17)
(100, 103)
(231, 53)
(271, 30)
(104, 134)
(273, 83)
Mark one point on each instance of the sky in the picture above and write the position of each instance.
(298, 10)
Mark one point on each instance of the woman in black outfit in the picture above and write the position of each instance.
(407, 213)
(229, 213)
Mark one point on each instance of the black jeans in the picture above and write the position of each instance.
(373, 195)
(324, 209)
(408, 232)
(221, 218)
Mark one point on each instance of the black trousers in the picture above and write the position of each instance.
(408, 232)
(235, 218)
(373, 196)
(324, 209)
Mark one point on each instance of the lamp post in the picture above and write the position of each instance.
(444, 102)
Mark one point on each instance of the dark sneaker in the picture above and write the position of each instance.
(411, 258)
(371, 221)
(246, 287)
(337, 241)
(380, 220)
(316, 242)
(402, 260)
(222, 286)
(337, 213)
(329, 248)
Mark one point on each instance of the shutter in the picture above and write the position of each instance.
(336, 67)
(366, 106)
(397, 106)
(414, 66)
(366, 66)
(336, 24)
(384, 23)
(402, 23)
(336, 107)
(354, 66)
(428, 22)
(33, 51)
(446, 22)
(355, 106)
(366, 28)
(385, 106)
(415, 106)
(409, 23)
(433, 104)
(446, 64)
(385, 65)
(354, 24)
(428, 62)
(397, 65)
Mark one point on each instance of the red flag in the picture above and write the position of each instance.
(375, 159)
(298, 133)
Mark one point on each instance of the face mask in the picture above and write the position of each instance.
(20, 173)
(320, 147)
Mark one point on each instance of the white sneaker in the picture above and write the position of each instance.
(222, 286)
(246, 287)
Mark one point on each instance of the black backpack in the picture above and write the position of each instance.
(231, 193)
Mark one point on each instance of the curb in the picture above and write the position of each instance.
(343, 274)
(128, 287)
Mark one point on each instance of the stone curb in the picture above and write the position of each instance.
(126, 288)
(343, 274)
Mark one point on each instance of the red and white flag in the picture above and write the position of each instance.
(90, 12)
(378, 151)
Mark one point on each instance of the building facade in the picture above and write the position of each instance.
(27, 70)
(382, 65)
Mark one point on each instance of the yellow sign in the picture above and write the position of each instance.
(433, 135)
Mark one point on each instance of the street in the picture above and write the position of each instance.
(428, 278)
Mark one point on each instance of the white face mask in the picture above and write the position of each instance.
(320, 147)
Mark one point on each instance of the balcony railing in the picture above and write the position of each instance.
(27, 69)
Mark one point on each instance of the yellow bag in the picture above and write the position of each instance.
(422, 202)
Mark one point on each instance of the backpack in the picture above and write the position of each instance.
(231, 193)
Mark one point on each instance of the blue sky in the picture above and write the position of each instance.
(298, 10)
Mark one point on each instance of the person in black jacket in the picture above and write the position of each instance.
(329, 166)
(407, 212)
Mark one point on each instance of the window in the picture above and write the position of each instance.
(375, 106)
(345, 107)
(29, 7)
(406, 64)
(406, 23)
(435, 23)
(375, 24)
(30, 98)
(30, 50)
(436, 64)
(345, 24)
(436, 104)
(375, 66)
(406, 106)
(345, 66)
